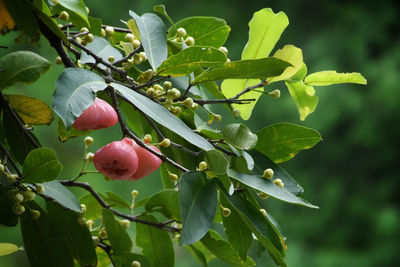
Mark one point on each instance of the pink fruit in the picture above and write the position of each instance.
(148, 162)
(117, 160)
(99, 115)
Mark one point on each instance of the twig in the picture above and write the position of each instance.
(127, 56)
(151, 82)
(101, 201)
(107, 249)
(117, 29)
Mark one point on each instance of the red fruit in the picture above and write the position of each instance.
(117, 160)
(99, 115)
(148, 162)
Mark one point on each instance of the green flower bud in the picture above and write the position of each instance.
(203, 166)
(165, 143)
(2, 168)
(150, 91)
(129, 37)
(103, 33)
(103, 234)
(59, 61)
(262, 195)
(111, 59)
(96, 240)
(136, 44)
(83, 208)
(264, 212)
(226, 212)
(19, 198)
(64, 15)
(88, 141)
(236, 112)
(158, 87)
(137, 59)
(89, 38)
(147, 138)
(109, 30)
(135, 264)
(268, 173)
(29, 195)
(181, 32)
(195, 106)
(11, 178)
(176, 111)
(135, 193)
(18, 209)
(189, 41)
(35, 214)
(78, 40)
(188, 102)
(276, 93)
(167, 85)
(125, 223)
(143, 56)
(217, 117)
(173, 177)
(279, 183)
(224, 50)
(84, 29)
(90, 224)
(89, 157)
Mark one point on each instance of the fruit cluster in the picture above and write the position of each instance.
(121, 160)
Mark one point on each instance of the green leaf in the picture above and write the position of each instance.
(198, 255)
(216, 162)
(115, 200)
(162, 116)
(191, 59)
(93, 207)
(304, 97)
(76, 10)
(240, 136)
(282, 141)
(153, 37)
(78, 236)
(17, 140)
(266, 28)
(44, 241)
(168, 201)
(60, 194)
(41, 165)
(64, 134)
(162, 11)
(262, 228)
(238, 233)
(267, 186)
(244, 69)
(262, 162)
(103, 49)
(95, 26)
(117, 235)
(324, 78)
(75, 92)
(231, 87)
(293, 55)
(7, 248)
(198, 204)
(21, 66)
(7, 215)
(224, 251)
(32, 110)
(206, 31)
(156, 243)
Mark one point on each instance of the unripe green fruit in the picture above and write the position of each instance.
(143, 56)
(88, 141)
(236, 112)
(59, 61)
(174, 93)
(109, 30)
(195, 106)
(150, 91)
(136, 44)
(189, 41)
(96, 240)
(176, 111)
(84, 29)
(125, 223)
(78, 40)
(158, 87)
(203, 166)
(89, 38)
(147, 138)
(129, 37)
(217, 117)
(2, 168)
(29, 195)
(137, 59)
(18, 209)
(11, 178)
(103, 33)
(35, 214)
(19, 198)
(135, 264)
(279, 183)
(226, 212)
(173, 177)
(181, 32)
(111, 59)
(188, 102)
(135, 194)
(276, 93)
(103, 234)
(262, 195)
(165, 143)
(268, 173)
(224, 50)
(64, 15)
(264, 212)
(167, 85)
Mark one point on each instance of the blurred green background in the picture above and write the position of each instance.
(353, 175)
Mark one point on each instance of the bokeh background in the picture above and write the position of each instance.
(353, 175)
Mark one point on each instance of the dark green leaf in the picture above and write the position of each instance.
(168, 201)
(282, 141)
(223, 250)
(32, 110)
(240, 136)
(78, 236)
(245, 69)
(117, 235)
(199, 256)
(7, 216)
(61, 195)
(44, 241)
(156, 243)
(103, 49)
(267, 186)
(21, 66)
(162, 116)
(191, 59)
(206, 31)
(115, 200)
(216, 162)
(41, 165)
(75, 92)
(198, 204)
(95, 26)
(153, 37)
(93, 207)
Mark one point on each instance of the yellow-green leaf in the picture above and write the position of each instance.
(324, 78)
(7, 248)
(294, 56)
(304, 97)
(33, 111)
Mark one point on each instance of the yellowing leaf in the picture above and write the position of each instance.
(294, 56)
(6, 21)
(7, 248)
(33, 111)
(304, 97)
(324, 78)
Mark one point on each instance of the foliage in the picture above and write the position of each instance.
(125, 70)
